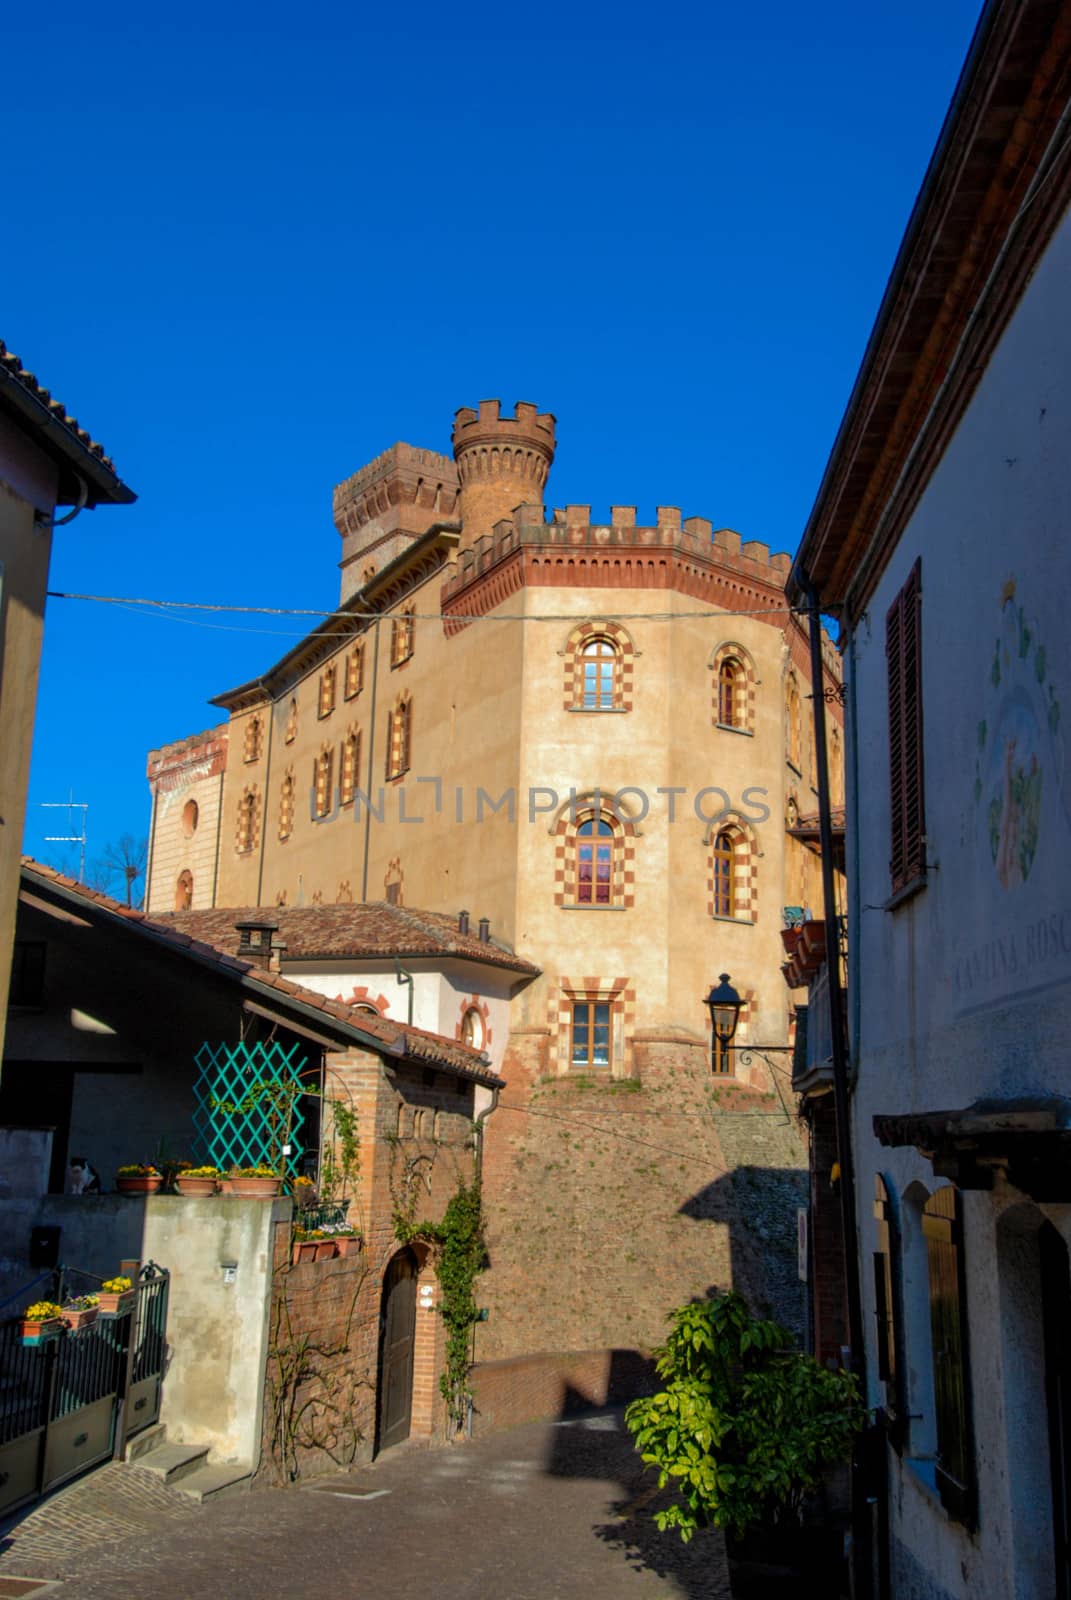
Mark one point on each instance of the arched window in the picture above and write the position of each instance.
(792, 721)
(594, 862)
(291, 724)
(184, 891)
(399, 738)
(321, 780)
(253, 739)
(190, 816)
(723, 875)
(348, 770)
(473, 1028)
(733, 688)
(355, 671)
(401, 637)
(286, 804)
(247, 821)
(327, 692)
(598, 666)
(730, 694)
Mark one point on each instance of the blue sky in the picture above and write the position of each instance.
(250, 247)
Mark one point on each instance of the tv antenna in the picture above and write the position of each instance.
(70, 805)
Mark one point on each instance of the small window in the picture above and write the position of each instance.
(942, 1226)
(472, 1029)
(27, 974)
(286, 804)
(598, 662)
(730, 694)
(792, 722)
(247, 821)
(290, 733)
(401, 637)
(594, 862)
(253, 739)
(321, 780)
(399, 739)
(590, 1045)
(184, 891)
(349, 768)
(903, 651)
(326, 703)
(394, 894)
(724, 876)
(190, 816)
(355, 671)
(723, 1059)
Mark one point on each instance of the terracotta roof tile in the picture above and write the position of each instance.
(400, 1039)
(370, 929)
(61, 433)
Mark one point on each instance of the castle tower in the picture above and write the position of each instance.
(502, 463)
(387, 505)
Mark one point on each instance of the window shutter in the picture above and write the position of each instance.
(886, 1275)
(942, 1225)
(903, 650)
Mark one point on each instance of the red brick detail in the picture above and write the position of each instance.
(746, 855)
(731, 651)
(475, 1003)
(566, 864)
(625, 653)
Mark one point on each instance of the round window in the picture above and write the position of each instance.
(472, 1030)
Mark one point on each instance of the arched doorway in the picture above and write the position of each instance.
(397, 1333)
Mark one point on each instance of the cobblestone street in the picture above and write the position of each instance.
(543, 1512)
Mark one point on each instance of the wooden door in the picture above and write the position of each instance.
(398, 1328)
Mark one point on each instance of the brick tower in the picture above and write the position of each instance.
(502, 463)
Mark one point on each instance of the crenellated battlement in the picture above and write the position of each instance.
(401, 475)
(502, 462)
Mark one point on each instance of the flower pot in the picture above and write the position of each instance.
(76, 1320)
(773, 1558)
(790, 938)
(114, 1304)
(251, 1188)
(196, 1186)
(142, 1183)
(40, 1332)
(303, 1250)
(350, 1244)
(325, 1249)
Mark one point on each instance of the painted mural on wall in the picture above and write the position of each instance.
(1016, 862)
(1020, 751)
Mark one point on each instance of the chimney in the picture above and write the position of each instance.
(463, 922)
(255, 943)
(485, 930)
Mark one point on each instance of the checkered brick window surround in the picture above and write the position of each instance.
(594, 859)
(355, 671)
(733, 687)
(349, 767)
(254, 739)
(599, 659)
(474, 1024)
(732, 869)
(290, 733)
(401, 637)
(326, 703)
(792, 721)
(593, 1018)
(322, 774)
(399, 737)
(286, 804)
(248, 834)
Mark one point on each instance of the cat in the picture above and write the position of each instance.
(81, 1177)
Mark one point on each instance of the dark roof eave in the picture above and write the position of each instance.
(62, 445)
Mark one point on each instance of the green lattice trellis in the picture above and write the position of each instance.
(245, 1094)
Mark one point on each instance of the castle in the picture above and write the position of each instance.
(591, 736)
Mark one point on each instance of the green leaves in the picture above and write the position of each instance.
(745, 1425)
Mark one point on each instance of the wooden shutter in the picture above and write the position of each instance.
(942, 1225)
(903, 650)
(886, 1275)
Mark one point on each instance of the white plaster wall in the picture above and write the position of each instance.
(964, 990)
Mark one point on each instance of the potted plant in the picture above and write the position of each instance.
(197, 1180)
(744, 1431)
(257, 1183)
(137, 1178)
(347, 1239)
(41, 1321)
(116, 1297)
(303, 1246)
(306, 1195)
(81, 1311)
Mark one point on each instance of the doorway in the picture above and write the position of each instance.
(398, 1332)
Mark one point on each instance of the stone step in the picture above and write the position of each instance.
(216, 1479)
(173, 1462)
(149, 1439)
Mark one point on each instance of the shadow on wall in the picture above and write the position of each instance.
(596, 1444)
(759, 1206)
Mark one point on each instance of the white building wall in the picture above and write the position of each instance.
(964, 991)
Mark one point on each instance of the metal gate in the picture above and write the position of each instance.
(72, 1402)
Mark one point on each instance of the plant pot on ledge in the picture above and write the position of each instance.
(252, 1186)
(138, 1182)
(40, 1323)
(302, 1250)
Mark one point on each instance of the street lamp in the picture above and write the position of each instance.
(725, 1007)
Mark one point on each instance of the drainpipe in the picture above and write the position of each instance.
(861, 1521)
(404, 978)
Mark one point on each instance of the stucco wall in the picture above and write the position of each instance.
(963, 991)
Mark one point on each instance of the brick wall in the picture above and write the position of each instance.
(609, 1202)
